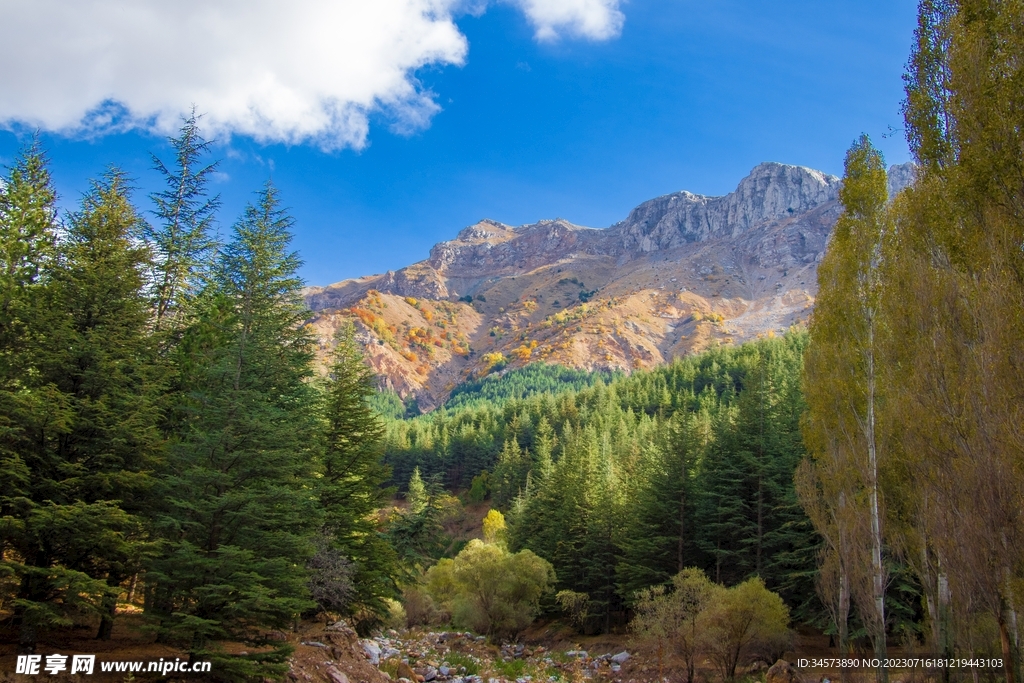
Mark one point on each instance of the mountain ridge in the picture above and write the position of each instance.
(680, 273)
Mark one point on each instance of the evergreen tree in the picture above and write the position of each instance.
(87, 432)
(28, 235)
(661, 537)
(416, 494)
(238, 518)
(417, 534)
(603, 531)
(353, 474)
(182, 242)
(722, 514)
(510, 473)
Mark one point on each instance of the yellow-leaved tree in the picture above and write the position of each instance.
(840, 487)
(955, 321)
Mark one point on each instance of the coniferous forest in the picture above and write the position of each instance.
(168, 439)
(165, 440)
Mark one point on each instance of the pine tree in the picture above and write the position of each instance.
(353, 475)
(660, 539)
(722, 515)
(182, 242)
(416, 494)
(238, 519)
(28, 235)
(510, 473)
(88, 431)
(417, 535)
(603, 531)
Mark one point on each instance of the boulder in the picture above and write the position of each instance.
(782, 672)
(372, 650)
(336, 675)
(621, 658)
(405, 671)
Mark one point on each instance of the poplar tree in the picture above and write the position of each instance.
(957, 265)
(842, 382)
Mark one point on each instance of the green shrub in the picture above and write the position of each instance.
(745, 623)
(699, 618)
(480, 489)
(490, 590)
(513, 668)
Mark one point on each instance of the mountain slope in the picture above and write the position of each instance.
(682, 272)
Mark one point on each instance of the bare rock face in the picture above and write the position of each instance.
(681, 274)
(901, 176)
(490, 249)
(772, 192)
(420, 282)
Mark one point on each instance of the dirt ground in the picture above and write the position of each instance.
(329, 651)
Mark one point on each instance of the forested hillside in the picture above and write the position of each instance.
(621, 485)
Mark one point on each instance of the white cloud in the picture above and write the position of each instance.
(593, 19)
(295, 71)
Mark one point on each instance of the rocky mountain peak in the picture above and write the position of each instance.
(682, 273)
(770, 192)
(485, 229)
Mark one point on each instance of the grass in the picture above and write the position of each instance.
(390, 667)
(457, 661)
(513, 668)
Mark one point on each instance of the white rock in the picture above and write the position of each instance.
(372, 650)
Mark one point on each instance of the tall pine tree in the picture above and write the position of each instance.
(89, 436)
(353, 474)
(238, 514)
(182, 242)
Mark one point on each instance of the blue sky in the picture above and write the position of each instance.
(525, 126)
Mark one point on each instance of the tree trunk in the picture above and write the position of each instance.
(107, 617)
(1009, 668)
(27, 631)
(844, 621)
(945, 641)
(682, 528)
(132, 587)
(877, 573)
(1010, 602)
